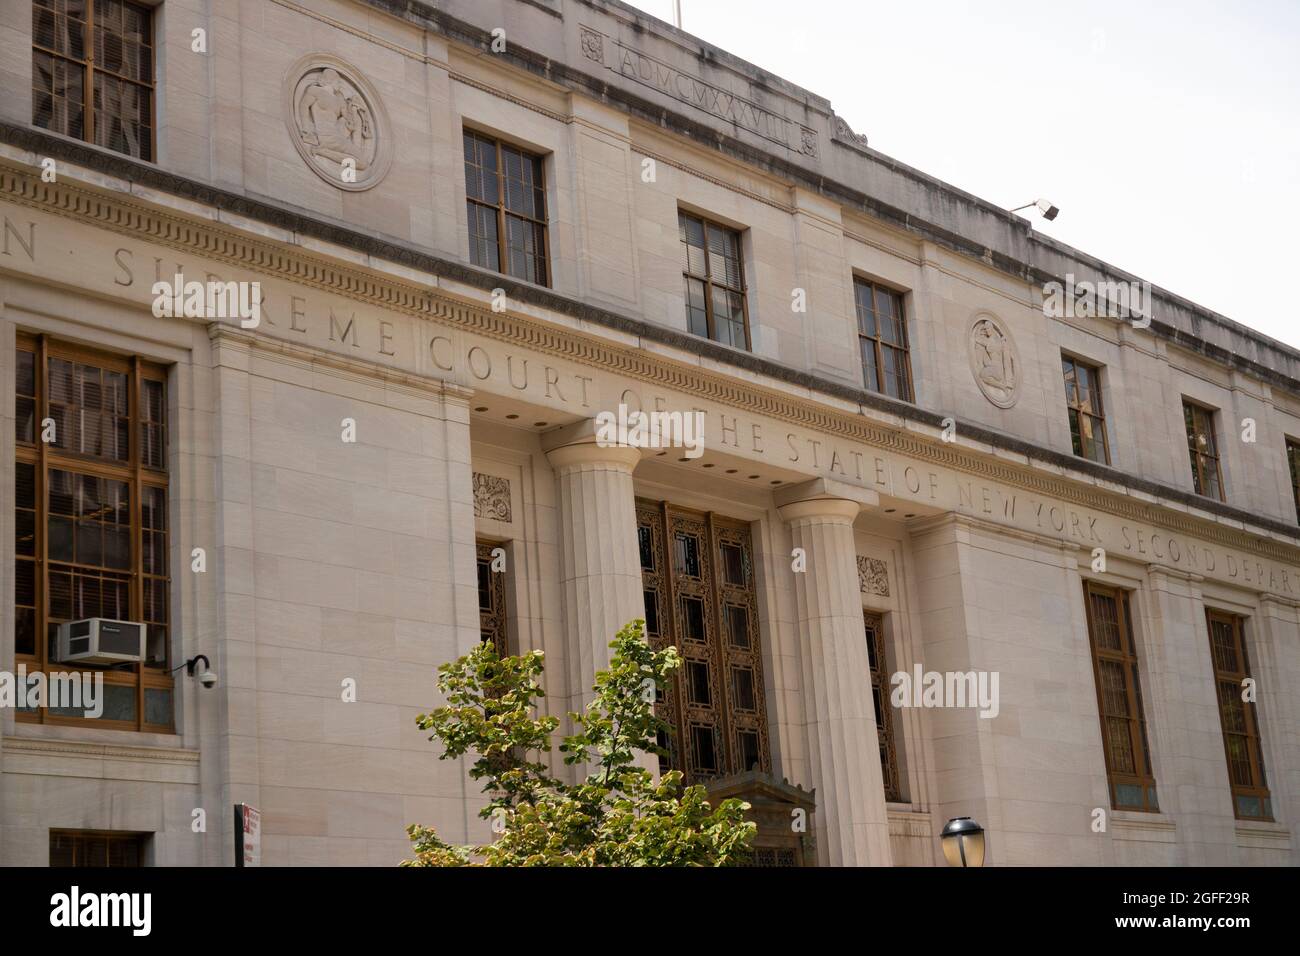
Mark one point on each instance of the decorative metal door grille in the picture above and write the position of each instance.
(697, 573)
(491, 599)
(875, 634)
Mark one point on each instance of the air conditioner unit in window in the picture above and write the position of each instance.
(98, 640)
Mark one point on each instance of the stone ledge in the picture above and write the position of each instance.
(49, 756)
(1263, 836)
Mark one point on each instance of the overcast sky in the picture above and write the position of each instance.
(1167, 132)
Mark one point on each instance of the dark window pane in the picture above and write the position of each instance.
(645, 546)
(157, 706)
(697, 683)
(750, 757)
(687, 552)
(25, 630)
(484, 586)
(742, 688)
(651, 600)
(733, 564)
(693, 618)
(706, 761)
(737, 625)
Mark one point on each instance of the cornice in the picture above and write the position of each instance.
(128, 215)
(423, 14)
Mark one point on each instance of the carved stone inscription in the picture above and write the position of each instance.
(669, 80)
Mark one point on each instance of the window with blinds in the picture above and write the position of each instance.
(1130, 777)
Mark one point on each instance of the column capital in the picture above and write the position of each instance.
(823, 498)
(576, 445)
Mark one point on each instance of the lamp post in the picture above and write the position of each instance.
(963, 842)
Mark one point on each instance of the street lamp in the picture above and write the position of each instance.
(963, 842)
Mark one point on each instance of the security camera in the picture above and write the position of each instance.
(205, 675)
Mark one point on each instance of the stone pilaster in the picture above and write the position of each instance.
(600, 569)
(852, 826)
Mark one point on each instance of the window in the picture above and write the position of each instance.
(1203, 450)
(89, 848)
(715, 281)
(697, 574)
(1293, 462)
(92, 72)
(882, 340)
(491, 600)
(875, 634)
(505, 198)
(1250, 796)
(1129, 775)
(91, 520)
(1083, 405)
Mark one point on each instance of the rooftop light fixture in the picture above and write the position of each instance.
(1048, 211)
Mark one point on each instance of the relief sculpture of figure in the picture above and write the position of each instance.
(995, 361)
(334, 123)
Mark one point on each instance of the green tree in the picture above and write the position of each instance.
(620, 815)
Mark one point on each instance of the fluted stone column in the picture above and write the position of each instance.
(852, 826)
(600, 567)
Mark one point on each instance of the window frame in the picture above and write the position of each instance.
(1258, 787)
(1293, 465)
(878, 343)
(493, 622)
(1076, 409)
(710, 323)
(502, 214)
(1197, 457)
(44, 458)
(89, 67)
(1143, 775)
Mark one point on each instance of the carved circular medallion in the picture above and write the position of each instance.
(337, 122)
(994, 361)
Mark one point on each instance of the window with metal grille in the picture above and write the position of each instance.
(697, 576)
(1084, 408)
(491, 599)
(882, 340)
(1241, 741)
(97, 848)
(1203, 450)
(91, 519)
(93, 72)
(1129, 774)
(505, 201)
(715, 281)
(875, 636)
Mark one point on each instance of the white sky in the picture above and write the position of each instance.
(1167, 132)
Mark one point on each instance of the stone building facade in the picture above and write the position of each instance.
(475, 227)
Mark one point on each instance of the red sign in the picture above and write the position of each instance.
(248, 835)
